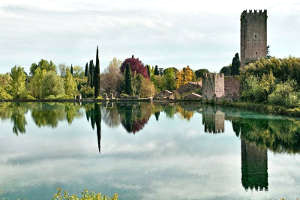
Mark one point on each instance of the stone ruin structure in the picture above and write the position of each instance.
(253, 36)
(217, 86)
(213, 86)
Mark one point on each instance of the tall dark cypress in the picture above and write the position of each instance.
(91, 68)
(156, 72)
(72, 69)
(86, 70)
(97, 76)
(128, 84)
(148, 70)
(236, 65)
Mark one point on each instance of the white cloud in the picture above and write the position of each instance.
(167, 33)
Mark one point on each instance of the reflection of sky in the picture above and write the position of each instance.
(169, 159)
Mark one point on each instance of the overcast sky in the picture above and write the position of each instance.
(202, 34)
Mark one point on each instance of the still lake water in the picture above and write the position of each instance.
(147, 151)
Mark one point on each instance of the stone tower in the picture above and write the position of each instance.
(253, 35)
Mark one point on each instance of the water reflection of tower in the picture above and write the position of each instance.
(254, 166)
(213, 120)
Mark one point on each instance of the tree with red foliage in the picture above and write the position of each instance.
(136, 66)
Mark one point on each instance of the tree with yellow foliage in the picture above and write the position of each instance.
(184, 76)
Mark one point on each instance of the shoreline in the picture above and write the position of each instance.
(261, 108)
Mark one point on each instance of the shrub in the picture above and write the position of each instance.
(284, 94)
(85, 195)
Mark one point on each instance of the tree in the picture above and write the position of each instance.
(147, 88)
(52, 85)
(18, 82)
(91, 74)
(62, 69)
(5, 86)
(112, 78)
(36, 83)
(236, 65)
(184, 76)
(148, 70)
(86, 70)
(78, 71)
(226, 70)
(136, 66)
(70, 84)
(200, 73)
(169, 78)
(97, 76)
(43, 64)
(128, 84)
(156, 71)
(72, 69)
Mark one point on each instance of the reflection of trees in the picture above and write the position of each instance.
(93, 113)
(276, 134)
(134, 116)
(49, 114)
(213, 120)
(18, 118)
(16, 113)
(111, 116)
(254, 166)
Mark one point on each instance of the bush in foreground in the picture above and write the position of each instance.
(85, 195)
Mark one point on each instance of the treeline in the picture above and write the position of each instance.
(274, 81)
(44, 82)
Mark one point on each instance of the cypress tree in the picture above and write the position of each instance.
(86, 70)
(97, 76)
(148, 70)
(156, 72)
(128, 84)
(235, 70)
(72, 69)
(91, 72)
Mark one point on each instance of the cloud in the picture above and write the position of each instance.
(202, 34)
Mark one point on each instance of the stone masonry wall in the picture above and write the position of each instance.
(213, 86)
(253, 35)
(232, 87)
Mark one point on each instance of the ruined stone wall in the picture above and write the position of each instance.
(232, 87)
(213, 86)
(219, 85)
(253, 35)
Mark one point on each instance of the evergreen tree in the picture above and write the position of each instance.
(97, 76)
(236, 65)
(156, 72)
(128, 84)
(148, 70)
(91, 72)
(72, 70)
(86, 70)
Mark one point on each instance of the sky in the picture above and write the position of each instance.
(167, 33)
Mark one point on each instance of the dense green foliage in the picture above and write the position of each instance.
(18, 78)
(273, 81)
(200, 73)
(43, 65)
(127, 79)
(282, 69)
